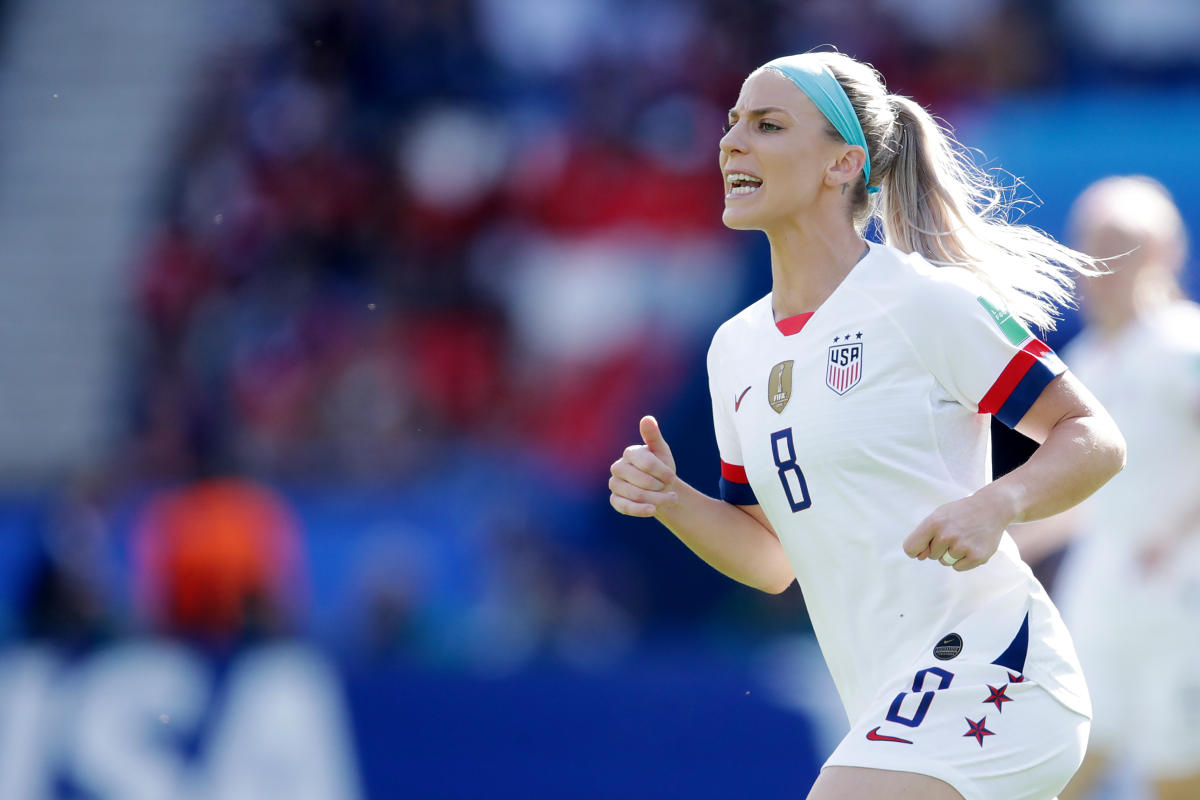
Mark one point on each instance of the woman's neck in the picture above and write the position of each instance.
(807, 265)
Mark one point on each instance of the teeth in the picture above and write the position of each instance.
(741, 183)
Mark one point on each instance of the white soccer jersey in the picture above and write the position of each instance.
(1148, 378)
(849, 426)
(1127, 621)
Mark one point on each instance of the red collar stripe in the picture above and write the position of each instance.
(793, 325)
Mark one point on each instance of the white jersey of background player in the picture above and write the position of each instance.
(1130, 583)
(856, 442)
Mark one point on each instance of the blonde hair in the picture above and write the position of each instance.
(1138, 206)
(935, 201)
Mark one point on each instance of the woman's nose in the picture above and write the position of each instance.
(732, 141)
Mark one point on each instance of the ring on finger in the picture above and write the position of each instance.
(948, 559)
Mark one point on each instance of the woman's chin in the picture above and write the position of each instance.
(736, 219)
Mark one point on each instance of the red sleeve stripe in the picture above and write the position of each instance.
(1042, 367)
(1012, 375)
(734, 473)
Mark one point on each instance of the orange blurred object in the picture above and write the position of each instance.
(218, 559)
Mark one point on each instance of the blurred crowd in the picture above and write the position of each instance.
(405, 239)
(393, 223)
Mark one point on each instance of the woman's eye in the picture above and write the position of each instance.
(727, 127)
(768, 126)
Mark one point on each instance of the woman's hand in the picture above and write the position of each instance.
(962, 534)
(643, 478)
(1079, 449)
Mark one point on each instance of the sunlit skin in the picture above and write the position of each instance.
(778, 135)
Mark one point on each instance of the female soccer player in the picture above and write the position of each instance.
(851, 408)
(1130, 583)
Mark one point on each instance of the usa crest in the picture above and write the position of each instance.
(844, 368)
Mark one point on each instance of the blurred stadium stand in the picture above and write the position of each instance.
(89, 98)
(407, 272)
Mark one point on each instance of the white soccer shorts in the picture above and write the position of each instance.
(988, 732)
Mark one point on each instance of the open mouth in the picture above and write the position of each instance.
(742, 184)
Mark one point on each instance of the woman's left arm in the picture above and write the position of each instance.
(1080, 450)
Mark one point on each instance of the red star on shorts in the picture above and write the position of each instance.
(978, 730)
(998, 696)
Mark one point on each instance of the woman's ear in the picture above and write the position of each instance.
(846, 168)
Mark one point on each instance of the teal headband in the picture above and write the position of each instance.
(816, 81)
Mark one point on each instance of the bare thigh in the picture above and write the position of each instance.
(861, 783)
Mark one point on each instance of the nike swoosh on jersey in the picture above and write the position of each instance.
(875, 736)
(738, 403)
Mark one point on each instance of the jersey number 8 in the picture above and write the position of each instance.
(790, 474)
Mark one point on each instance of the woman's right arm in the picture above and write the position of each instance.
(737, 541)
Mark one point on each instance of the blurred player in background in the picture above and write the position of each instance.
(1129, 585)
(851, 409)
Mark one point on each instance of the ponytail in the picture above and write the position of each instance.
(938, 203)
